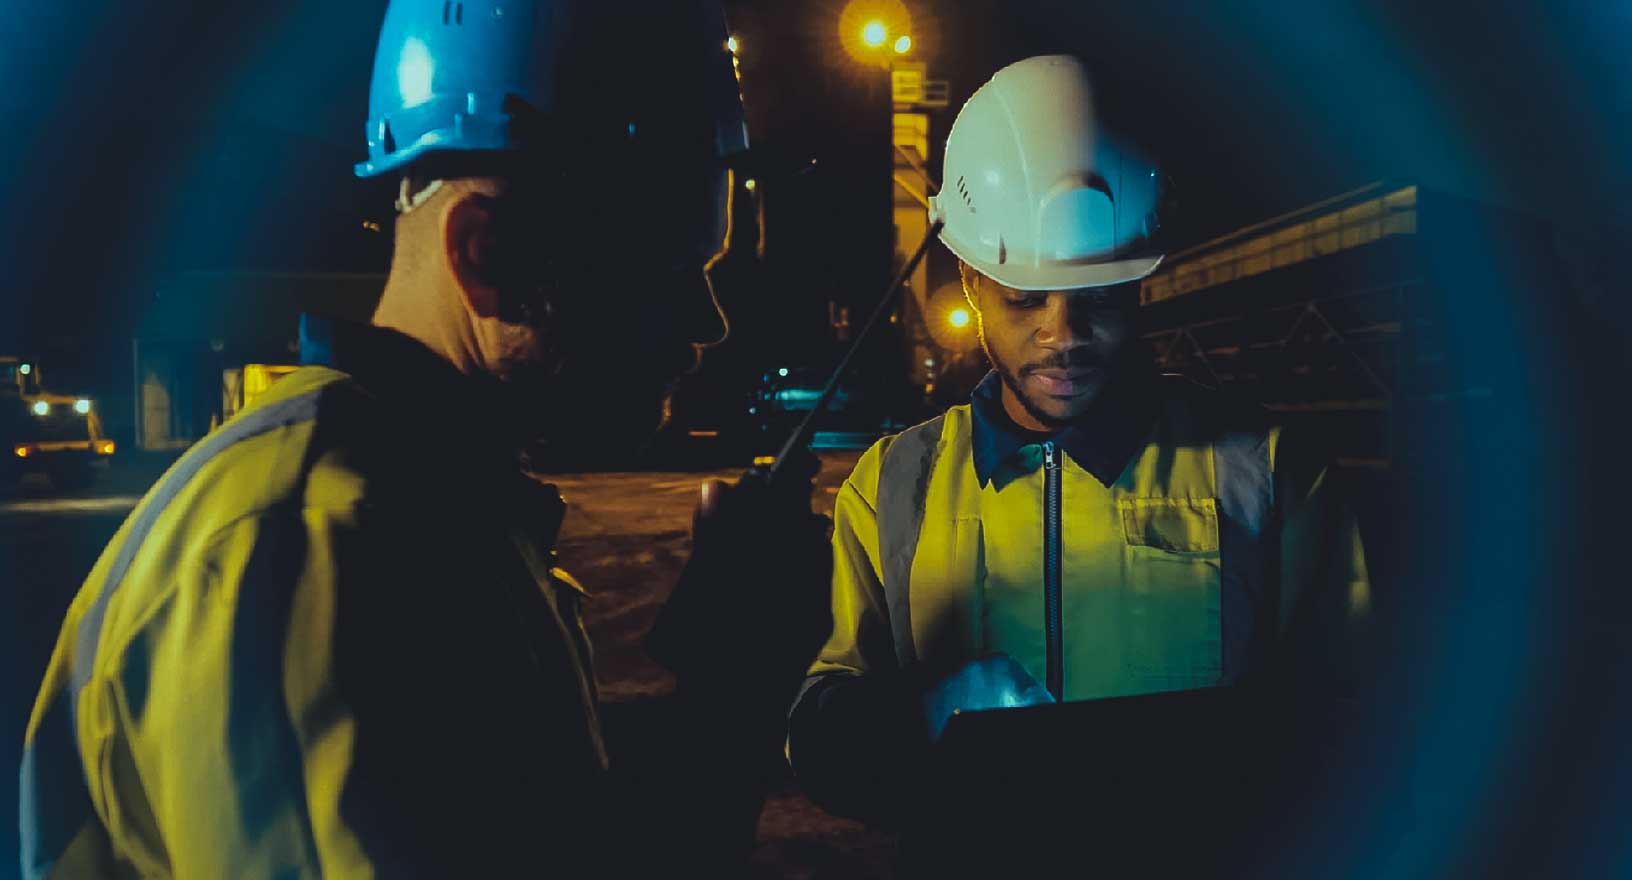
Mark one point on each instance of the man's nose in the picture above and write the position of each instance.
(706, 324)
(684, 308)
(1059, 326)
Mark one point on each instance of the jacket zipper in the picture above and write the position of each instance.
(1051, 568)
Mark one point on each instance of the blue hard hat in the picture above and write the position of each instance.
(457, 76)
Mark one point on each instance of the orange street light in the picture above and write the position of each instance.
(868, 29)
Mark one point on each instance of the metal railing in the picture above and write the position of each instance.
(1338, 224)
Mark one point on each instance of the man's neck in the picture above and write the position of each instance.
(426, 317)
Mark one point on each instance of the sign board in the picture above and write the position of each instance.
(936, 93)
(912, 131)
(907, 82)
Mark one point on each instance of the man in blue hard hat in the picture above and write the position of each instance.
(333, 639)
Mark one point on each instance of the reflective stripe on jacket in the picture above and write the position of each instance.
(315, 648)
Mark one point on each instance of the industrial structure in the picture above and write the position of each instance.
(209, 339)
(1342, 315)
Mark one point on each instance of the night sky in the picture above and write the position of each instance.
(146, 139)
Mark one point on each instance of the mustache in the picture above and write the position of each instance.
(1077, 358)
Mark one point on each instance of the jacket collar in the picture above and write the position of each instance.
(1103, 441)
(468, 419)
(463, 422)
(401, 371)
(387, 363)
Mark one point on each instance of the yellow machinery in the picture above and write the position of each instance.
(240, 386)
(58, 434)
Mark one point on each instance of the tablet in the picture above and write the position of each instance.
(1131, 780)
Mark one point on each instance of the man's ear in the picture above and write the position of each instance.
(470, 240)
(971, 282)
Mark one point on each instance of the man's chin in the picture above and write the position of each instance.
(1061, 412)
(585, 413)
(626, 419)
(1052, 410)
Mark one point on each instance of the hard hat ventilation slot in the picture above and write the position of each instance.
(963, 190)
(457, 10)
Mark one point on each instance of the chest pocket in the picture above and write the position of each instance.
(1171, 587)
(1176, 525)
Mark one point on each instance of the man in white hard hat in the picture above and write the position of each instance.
(1083, 528)
(333, 640)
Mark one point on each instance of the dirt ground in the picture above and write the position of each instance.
(626, 537)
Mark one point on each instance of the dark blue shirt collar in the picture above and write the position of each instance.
(1103, 441)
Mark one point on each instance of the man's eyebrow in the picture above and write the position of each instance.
(1089, 295)
(1109, 294)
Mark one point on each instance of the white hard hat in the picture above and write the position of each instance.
(1036, 198)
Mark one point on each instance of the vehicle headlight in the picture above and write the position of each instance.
(41, 408)
(82, 406)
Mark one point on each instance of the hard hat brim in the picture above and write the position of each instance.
(1059, 276)
(431, 142)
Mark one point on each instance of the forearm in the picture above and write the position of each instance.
(690, 773)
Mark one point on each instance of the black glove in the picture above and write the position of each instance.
(752, 606)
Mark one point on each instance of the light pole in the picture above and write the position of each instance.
(879, 34)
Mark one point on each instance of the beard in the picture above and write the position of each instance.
(1013, 376)
(590, 395)
(592, 411)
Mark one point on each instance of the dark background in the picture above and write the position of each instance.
(145, 140)
(150, 139)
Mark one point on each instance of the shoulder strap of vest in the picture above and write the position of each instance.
(903, 481)
(1240, 437)
(55, 799)
(1245, 481)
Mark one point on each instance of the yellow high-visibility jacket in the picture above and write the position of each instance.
(1175, 565)
(330, 641)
